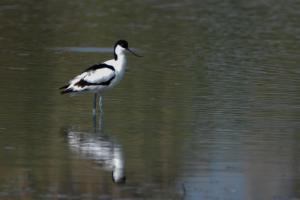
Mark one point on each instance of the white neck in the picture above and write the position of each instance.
(121, 62)
(119, 51)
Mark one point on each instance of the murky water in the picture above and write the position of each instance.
(210, 112)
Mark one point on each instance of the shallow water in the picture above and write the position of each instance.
(210, 112)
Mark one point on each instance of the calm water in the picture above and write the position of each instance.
(212, 110)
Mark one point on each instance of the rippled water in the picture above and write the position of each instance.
(210, 112)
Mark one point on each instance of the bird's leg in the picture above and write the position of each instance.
(94, 112)
(95, 105)
(100, 112)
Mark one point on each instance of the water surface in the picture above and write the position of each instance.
(210, 112)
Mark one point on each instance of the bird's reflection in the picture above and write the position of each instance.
(101, 149)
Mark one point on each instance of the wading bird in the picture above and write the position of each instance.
(101, 77)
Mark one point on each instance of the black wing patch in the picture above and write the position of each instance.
(99, 66)
(64, 87)
(83, 83)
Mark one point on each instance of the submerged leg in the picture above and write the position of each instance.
(100, 112)
(95, 122)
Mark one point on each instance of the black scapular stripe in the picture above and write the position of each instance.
(99, 66)
(83, 83)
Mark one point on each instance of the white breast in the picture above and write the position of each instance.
(119, 65)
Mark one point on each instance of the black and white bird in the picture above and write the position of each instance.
(101, 77)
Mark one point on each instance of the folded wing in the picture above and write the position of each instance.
(95, 77)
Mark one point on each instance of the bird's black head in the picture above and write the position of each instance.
(122, 43)
(120, 180)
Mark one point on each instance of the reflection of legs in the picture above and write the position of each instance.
(100, 112)
(95, 122)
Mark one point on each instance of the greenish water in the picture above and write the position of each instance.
(210, 112)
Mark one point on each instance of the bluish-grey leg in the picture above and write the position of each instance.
(94, 112)
(100, 112)
(94, 105)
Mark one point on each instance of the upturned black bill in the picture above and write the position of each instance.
(133, 53)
